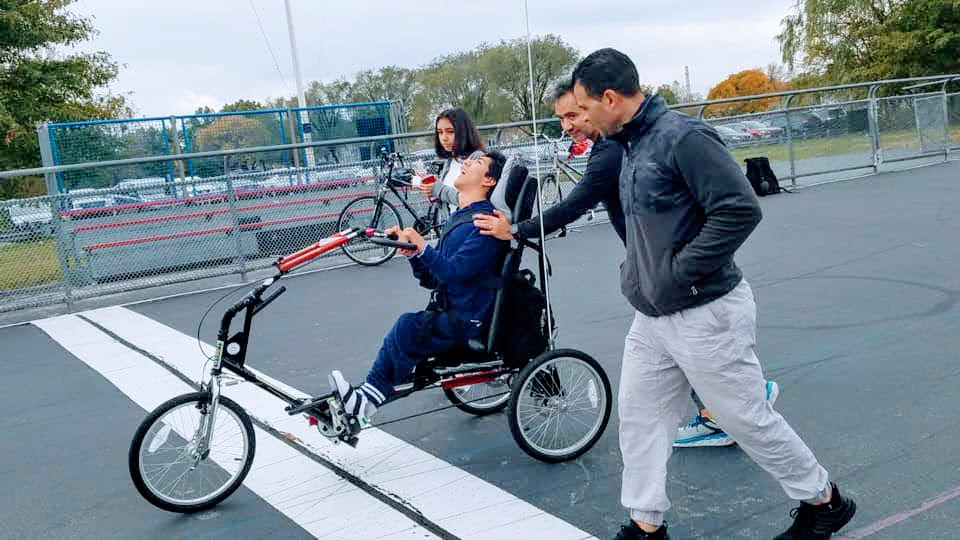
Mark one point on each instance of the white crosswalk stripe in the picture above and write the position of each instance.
(451, 498)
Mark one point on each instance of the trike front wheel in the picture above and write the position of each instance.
(175, 467)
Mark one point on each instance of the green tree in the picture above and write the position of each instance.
(459, 80)
(923, 40)
(242, 105)
(668, 94)
(506, 65)
(385, 84)
(39, 85)
(836, 41)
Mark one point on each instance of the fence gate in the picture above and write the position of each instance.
(931, 123)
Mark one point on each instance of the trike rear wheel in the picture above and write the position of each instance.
(560, 405)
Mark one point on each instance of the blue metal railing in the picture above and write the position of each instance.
(137, 137)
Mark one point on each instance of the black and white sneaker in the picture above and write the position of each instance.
(632, 532)
(359, 403)
(819, 522)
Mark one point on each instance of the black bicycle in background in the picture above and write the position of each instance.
(375, 211)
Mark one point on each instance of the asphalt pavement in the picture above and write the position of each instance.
(857, 293)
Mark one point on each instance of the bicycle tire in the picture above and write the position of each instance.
(146, 487)
(550, 189)
(469, 404)
(557, 397)
(360, 250)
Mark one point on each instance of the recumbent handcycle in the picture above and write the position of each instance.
(194, 450)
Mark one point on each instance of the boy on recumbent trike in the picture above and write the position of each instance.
(461, 271)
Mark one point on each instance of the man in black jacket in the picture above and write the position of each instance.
(687, 209)
(600, 183)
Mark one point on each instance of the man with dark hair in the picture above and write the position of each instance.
(600, 183)
(460, 270)
(687, 209)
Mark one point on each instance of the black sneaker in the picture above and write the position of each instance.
(632, 532)
(819, 522)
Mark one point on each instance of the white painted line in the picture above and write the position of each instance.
(324, 504)
(446, 495)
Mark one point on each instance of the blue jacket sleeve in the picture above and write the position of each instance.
(422, 273)
(475, 254)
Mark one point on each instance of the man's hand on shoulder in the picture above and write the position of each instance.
(497, 225)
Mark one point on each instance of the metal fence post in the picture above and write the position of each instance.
(946, 120)
(175, 147)
(789, 128)
(235, 220)
(293, 137)
(56, 203)
(873, 118)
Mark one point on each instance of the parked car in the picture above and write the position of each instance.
(732, 136)
(743, 128)
(767, 132)
(802, 124)
(104, 202)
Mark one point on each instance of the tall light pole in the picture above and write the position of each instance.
(301, 100)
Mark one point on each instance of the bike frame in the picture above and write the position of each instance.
(231, 350)
(421, 223)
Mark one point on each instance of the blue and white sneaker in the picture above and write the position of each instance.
(773, 392)
(360, 402)
(704, 432)
(701, 432)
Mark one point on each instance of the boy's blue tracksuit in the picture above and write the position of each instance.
(461, 269)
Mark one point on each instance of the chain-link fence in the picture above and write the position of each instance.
(234, 212)
(953, 118)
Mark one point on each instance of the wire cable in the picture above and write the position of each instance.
(269, 48)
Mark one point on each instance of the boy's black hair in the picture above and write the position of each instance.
(495, 170)
(497, 161)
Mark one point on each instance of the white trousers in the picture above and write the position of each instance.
(712, 349)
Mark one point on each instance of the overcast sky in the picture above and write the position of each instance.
(178, 55)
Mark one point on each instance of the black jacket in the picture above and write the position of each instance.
(599, 183)
(687, 208)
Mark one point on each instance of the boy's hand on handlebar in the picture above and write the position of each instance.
(410, 236)
(497, 226)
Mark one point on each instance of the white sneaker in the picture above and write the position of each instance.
(701, 432)
(357, 402)
(773, 392)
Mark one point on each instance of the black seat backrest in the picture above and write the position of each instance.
(520, 195)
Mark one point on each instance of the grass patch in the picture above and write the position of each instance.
(28, 264)
(832, 146)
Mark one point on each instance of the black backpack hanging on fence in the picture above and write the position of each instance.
(761, 176)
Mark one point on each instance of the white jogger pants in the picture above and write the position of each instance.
(710, 348)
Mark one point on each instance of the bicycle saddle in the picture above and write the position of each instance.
(403, 175)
